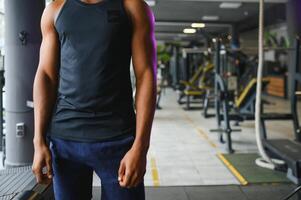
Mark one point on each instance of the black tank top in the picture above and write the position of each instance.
(94, 94)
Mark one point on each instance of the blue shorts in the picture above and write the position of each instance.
(73, 165)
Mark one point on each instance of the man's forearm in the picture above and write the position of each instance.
(145, 109)
(44, 96)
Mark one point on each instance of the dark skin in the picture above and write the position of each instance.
(133, 165)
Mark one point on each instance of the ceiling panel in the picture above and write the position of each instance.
(188, 11)
(194, 11)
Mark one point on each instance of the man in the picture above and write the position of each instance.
(83, 97)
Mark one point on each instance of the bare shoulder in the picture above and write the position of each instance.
(139, 12)
(136, 6)
(134, 3)
(55, 5)
(51, 11)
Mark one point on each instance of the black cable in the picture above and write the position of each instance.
(297, 189)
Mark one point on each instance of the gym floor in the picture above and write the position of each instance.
(233, 192)
(184, 162)
(184, 158)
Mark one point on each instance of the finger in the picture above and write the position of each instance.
(133, 180)
(38, 174)
(121, 172)
(126, 178)
(49, 169)
(139, 180)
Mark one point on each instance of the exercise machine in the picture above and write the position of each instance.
(197, 85)
(198, 91)
(287, 150)
(278, 153)
(19, 183)
(227, 107)
(208, 103)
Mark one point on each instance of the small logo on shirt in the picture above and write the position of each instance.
(114, 16)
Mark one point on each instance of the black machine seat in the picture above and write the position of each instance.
(290, 152)
(276, 116)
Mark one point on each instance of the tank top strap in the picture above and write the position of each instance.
(65, 4)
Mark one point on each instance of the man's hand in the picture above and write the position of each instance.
(132, 168)
(133, 165)
(42, 159)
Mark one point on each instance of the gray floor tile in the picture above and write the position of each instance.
(166, 193)
(262, 192)
(215, 193)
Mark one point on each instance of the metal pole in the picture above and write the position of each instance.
(22, 43)
(294, 89)
(235, 43)
(216, 86)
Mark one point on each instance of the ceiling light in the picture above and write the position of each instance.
(214, 40)
(189, 30)
(151, 2)
(210, 18)
(230, 5)
(198, 25)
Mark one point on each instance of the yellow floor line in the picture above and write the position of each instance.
(205, 136)
(201, 132)
(155, 174)
(234, 171)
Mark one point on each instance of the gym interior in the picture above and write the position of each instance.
(228, 87)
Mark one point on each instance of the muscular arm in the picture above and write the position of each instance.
(44, 92)
(144, 62)
(46, 79)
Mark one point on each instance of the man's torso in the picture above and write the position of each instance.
(94, 100)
